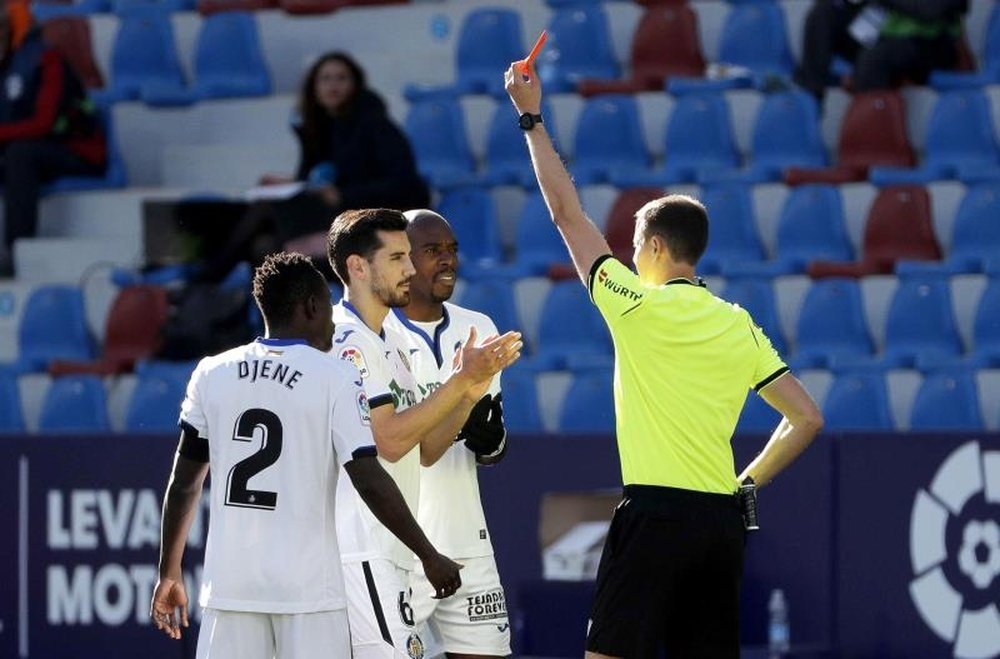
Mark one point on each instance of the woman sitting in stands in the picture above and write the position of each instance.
(48, 127)
(352, 156)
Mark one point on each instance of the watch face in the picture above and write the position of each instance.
(526, 121)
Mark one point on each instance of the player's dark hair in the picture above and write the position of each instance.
(681, 222)
(282, 281)
(356, 232)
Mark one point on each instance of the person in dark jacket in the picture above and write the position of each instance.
(48, 127)
(352, 156)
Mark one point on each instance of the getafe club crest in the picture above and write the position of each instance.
(415, 647)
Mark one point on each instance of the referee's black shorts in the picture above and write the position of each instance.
(670, 576)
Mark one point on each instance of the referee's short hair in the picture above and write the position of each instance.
(356, 232)
(681, 221)
(284, 280)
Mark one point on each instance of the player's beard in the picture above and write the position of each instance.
(390, 295)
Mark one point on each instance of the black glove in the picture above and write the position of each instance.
(484, 432)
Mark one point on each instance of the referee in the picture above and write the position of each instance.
(684, 362)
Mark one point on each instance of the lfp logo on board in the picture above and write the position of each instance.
(955, 552)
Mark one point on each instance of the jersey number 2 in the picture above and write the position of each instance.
(237, 493)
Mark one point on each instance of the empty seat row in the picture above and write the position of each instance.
(57, 9)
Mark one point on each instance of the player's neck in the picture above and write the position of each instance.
(675, 271)
(369, 308)
(287, 333)
(423, 311)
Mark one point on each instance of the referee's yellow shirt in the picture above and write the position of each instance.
(684, 363)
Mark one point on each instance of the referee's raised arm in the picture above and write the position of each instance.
(585, 242)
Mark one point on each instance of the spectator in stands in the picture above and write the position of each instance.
(48, 127)
(352, 156)
(915, 37)
(826, 34)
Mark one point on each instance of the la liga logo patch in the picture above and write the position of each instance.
(354, 355)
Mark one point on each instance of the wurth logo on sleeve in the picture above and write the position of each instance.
(615, 287)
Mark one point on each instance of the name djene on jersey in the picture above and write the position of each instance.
(266, 369)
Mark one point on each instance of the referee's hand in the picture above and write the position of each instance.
(442, 572)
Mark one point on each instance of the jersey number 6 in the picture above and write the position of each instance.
(237, 493)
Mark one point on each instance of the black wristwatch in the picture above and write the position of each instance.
(527, 121)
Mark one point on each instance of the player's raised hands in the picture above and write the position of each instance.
(478, 364)
(443, 574)
(169, 609)
(524, 89)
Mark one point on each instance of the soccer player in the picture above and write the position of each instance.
(277, 417)
(370, 253)
(474, 622)
(684, 361)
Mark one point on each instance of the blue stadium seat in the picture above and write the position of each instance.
(11, 415)
(538, 243)
(54, 326)
(473, 217)
(609, 142)
(436, 128)
(831, 324)
(920, 322)
(520, 401)
(571, 334)
(507, 159)
(44, 11)
(947, 400)
(858, 401)
(754, 36)
(699, 144)
(989, 67)
(114, 175)
(579, 47)
(75, 404)
(960, 143)
(786, 134)
(975, 234)
(986, 327)
(495, 298)
(757, 416)
(490, 39)
(757, 297)
(589, 405)
(228, 60)
(732, 229)
(156, 400)
(125, 6)
(144, 61)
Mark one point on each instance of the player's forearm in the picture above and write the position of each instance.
(429, 421)
(439, 440)
(789, 439)
(180, 504)
(553, 179)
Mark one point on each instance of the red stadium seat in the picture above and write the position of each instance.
(665, 44)
(206, 7)
(872, 133)
(70, 35)
(620, 228)
(899, 226)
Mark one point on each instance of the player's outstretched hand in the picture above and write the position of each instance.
(443, 574)
(169, 609)
(525, 91)
(478, 364)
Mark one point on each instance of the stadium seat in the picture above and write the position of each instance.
(507, 160)
(209, 7)
(520, 401)
(11, 415)
(49, 10)
(124, 6)
(589, 405)
(228, 60)
(571, 334)
(75, 404)
(947, 400)
(489, 40)
(620, 229)
(872, 133)
(538, 243)
(473, 217)
(757, 297)
(156, 400)
(757, 416)
(831, 324)
(436, 128)
(54, 326)
(578, 48)
(70, 35)
(114, 174)
(857, 401)
(144, 61)
(986, 327)
(899, 226)
(132, 333)
(920, 322)
(699, 144)
(309, 7)
(495, 298)
(609, 142)
(960, 143)
(665, 44)
(989, 70)
(786, 134)
(732, 228)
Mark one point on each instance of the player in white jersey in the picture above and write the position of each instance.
(370, 253)
(474, 622)
(277, 418)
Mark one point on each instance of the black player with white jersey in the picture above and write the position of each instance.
(370, 253)
(276, 419)
(474, 622)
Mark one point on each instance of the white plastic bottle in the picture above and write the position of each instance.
(778, 635)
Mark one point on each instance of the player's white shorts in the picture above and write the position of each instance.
(245, 635)
(378, 606)
(473, 620)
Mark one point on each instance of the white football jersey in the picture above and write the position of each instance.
(384, 367)
(281, 418)
(450, 510)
